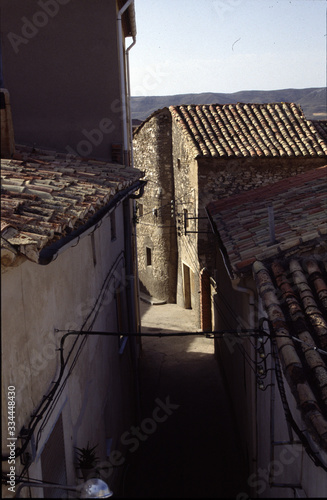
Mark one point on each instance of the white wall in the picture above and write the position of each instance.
(98, 400)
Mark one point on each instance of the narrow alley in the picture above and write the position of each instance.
(188, 447)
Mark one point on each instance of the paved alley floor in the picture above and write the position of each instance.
(187, 445)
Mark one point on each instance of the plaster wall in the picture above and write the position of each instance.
(67, 57)
(75, 291)
(231, 312)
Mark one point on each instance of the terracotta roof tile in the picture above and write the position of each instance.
(257, 130)
(288, 289)
(45, 194)
(300, 208)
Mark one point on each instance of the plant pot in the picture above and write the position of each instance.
(89, 472)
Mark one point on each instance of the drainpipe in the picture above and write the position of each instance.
(131, 299)
(122, 77)
(129, 101)
(205, 300)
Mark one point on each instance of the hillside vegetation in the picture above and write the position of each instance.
(313, 101)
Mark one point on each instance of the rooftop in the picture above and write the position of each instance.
(250, 130)
(45, 196)
(294, 295)
(298, 208)
(290, 276)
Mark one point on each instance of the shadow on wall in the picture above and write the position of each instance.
(144, 289)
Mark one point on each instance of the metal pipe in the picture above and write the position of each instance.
(129, 101)
(48, 254)
(122, 77)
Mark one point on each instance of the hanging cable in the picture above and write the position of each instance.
(48, 401)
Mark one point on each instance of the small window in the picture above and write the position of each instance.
(113, 226)
(148, 256)
(185, 218)
(140, 207)
(178, 163)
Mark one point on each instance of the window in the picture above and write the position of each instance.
(113, 226)
(148, 256)
(140, 209)
(185, 213)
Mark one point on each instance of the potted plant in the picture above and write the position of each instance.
(87, 461)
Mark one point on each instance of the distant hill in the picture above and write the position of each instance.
(313, 101)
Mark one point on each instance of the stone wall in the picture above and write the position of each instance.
(156, 232)
(186, 207)
(220, 178)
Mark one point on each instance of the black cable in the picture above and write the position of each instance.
(47, 400)
(64, 363)
(287, 411)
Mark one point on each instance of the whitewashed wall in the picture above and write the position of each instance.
(98, 400)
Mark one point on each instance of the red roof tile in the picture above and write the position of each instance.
(299, 211)
(250, 130)
(299, 321)
(45, 194)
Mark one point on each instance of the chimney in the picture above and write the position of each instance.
(7, 129)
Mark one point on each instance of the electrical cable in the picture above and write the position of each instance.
(287, 411)
(47, 399)
(176, 200)
(104, 287)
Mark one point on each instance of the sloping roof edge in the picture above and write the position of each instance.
(144, 122)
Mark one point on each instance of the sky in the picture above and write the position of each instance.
(194, 46)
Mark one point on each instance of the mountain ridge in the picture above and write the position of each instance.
(312, 100)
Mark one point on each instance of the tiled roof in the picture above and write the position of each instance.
(299, 213)
(294, 294)
(46, 195)
(321, 127)
(290, 276)
(250, 130)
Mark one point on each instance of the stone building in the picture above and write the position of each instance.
(193, 154)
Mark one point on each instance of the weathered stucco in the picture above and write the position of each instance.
(75, 291)
(73, 103)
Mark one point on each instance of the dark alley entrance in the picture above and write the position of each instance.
(186, 444)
